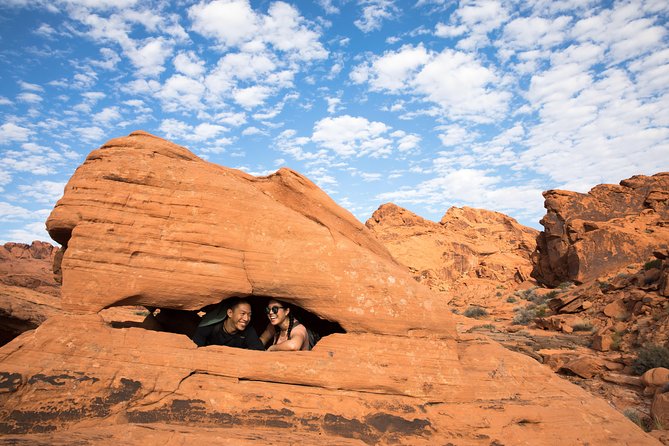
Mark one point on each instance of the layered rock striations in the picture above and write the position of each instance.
(586, 236)
(145, 221)
(467, 255)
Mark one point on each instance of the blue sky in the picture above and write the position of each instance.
(427, 104)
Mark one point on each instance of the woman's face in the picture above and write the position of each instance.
(276, 312)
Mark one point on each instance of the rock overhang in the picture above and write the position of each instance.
(146, 222)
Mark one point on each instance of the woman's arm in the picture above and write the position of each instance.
(297, 337)
(267, 335)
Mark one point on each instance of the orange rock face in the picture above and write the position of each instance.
(588, 235)
(29, 293)
(146, 222)
(76, 372)
(467, 255)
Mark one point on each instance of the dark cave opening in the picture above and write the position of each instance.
(186, 322)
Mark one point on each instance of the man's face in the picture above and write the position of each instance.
(240, 316)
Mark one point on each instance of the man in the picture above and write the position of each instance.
(229, 324)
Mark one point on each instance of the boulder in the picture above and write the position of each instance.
(659, 409)
(656, 377)
(145, 222)
(586, 236)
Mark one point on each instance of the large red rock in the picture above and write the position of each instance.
(146, 222)
(586, 236)
(75, 373)
(468, 255)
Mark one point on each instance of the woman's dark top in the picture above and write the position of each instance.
(216, 335)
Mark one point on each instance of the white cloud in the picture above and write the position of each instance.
(109, 61)
(249, 131)
(150, 57)
(189, 64)
(107, 116)
(460, 84)
(394, 70)
(525, 33)
(374, 12)
(473, 21)
(230, 22)
(90, 134)
(10, 212)
(30, 87)
(11, 132)
(328, 7)
(235, 24)
(175, 129)
(28, 233)
(5, 101)
(348, 135)
(472, 187)
(454, 135)
(30, 98)
(252, 96)
(181, 92)
(333, 104)
(47, 192)
(36, 159)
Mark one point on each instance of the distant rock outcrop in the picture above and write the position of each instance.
(146, 222)
(468, 254)
(586, 236)
(29, 293)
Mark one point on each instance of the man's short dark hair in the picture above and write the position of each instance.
(233, 302)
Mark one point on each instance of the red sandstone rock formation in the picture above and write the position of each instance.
(29, 266)
(467, 255)
(147, 222)
(29, 293)
(588, 235)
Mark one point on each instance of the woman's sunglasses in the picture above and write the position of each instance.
(274, 309)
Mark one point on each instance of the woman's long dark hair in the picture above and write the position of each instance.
(291, 321)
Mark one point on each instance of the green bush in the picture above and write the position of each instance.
(511, 299)
(657, 263)
(651, 356)
(526, 315)
(584, 326)
(475, 312)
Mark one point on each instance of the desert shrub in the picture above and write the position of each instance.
(616, 339)
(584, 326)
(527, 314)
(651, 356)
(511, 299)
(552, 294)
(639, 419)
(652, 264)
(565, 285)
(475, 312)
(499, 294)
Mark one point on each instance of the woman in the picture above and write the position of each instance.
(287, 333)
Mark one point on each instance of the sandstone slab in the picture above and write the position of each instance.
(140, 385)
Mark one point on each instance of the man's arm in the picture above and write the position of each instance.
(202, 335)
